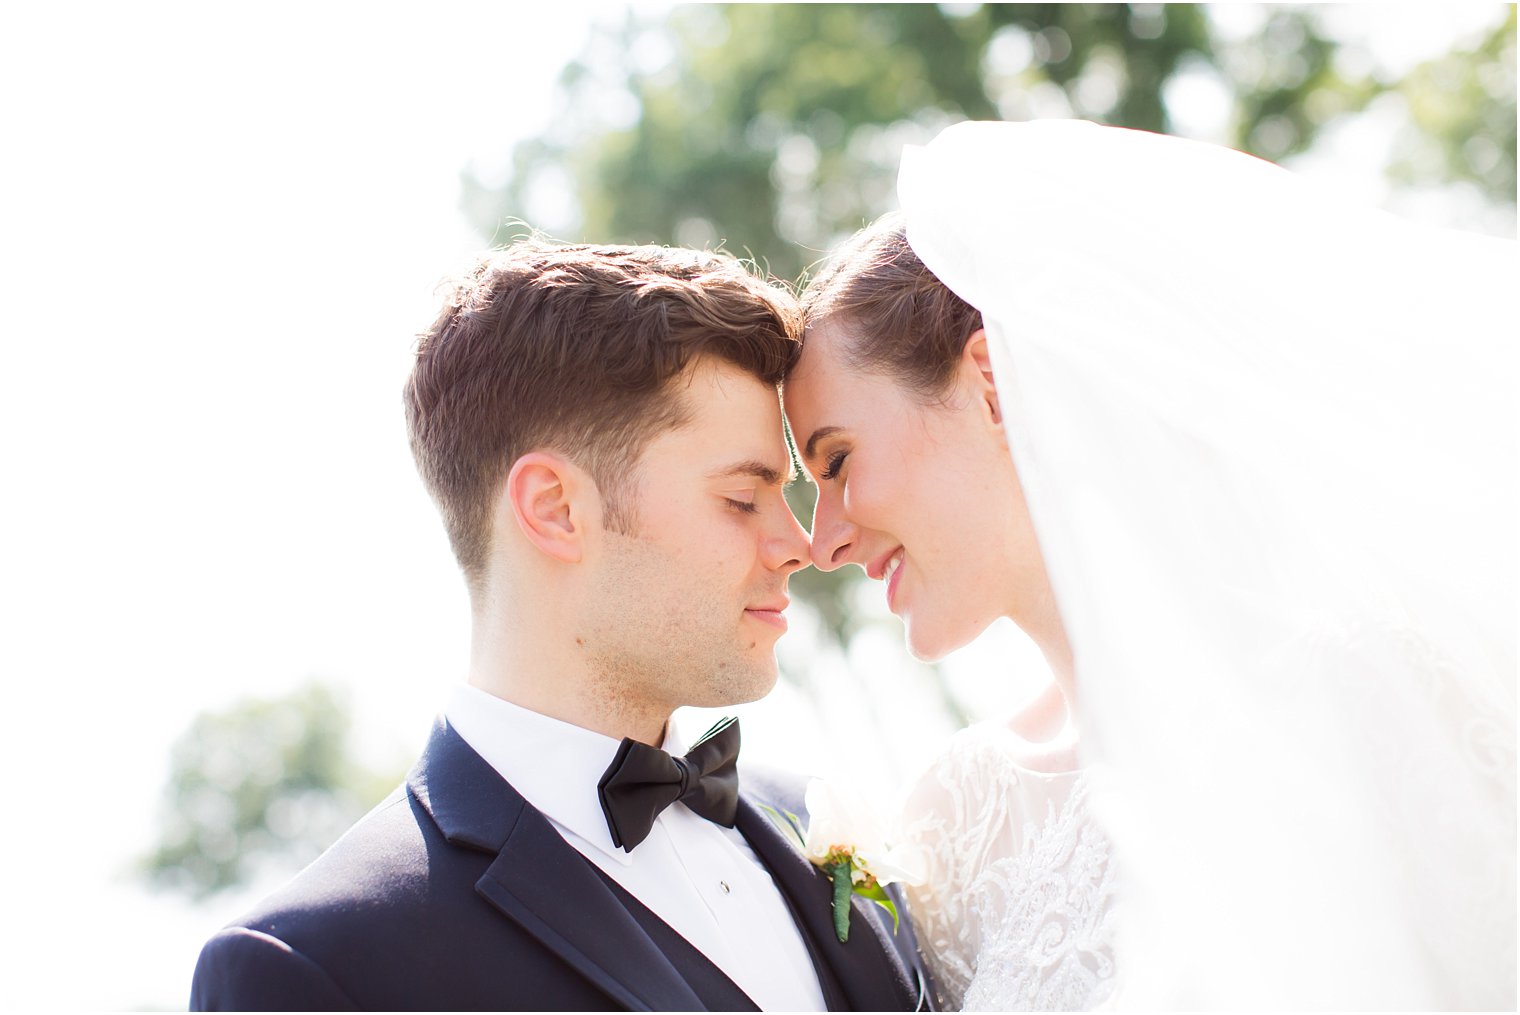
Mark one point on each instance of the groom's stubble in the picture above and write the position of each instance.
(656, 637)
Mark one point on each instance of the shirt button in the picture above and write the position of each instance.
(724, 885)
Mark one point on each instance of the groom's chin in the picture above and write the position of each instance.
(740, 685)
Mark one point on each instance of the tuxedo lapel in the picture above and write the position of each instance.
(858, 975)
(545, 885)
(541, 882)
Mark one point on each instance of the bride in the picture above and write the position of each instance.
(1241, 461)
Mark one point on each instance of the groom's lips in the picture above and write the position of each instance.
(770, 613)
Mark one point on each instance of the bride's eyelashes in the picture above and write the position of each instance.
(746, 506)
(832, 466)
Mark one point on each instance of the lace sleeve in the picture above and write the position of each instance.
(1015, 911)
(929, 825)
(958, 817)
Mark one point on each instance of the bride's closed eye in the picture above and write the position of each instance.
(833, 465)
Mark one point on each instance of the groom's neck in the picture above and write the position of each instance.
(547, 672)
(587, 709)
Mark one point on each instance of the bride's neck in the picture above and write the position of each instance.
(1047, 738)
(1057, 652)
(1043, 718)
(1049, 719)
(1034, 611)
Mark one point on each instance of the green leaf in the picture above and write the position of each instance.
(878, 895)
(789, 823)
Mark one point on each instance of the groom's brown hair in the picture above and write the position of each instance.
(571, 348)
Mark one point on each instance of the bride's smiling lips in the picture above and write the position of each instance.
(888, 568)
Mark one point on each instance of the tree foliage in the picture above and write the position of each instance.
(777, 127)
(1462, 118)
(264, 781)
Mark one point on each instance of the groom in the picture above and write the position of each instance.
(600, 429)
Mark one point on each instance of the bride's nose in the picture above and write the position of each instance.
(834, 536)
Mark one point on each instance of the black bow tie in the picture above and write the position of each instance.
(642, 781)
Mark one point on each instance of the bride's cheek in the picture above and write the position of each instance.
(869, 499)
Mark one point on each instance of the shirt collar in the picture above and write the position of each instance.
(554, 765)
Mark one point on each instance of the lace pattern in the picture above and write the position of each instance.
(1016, 910)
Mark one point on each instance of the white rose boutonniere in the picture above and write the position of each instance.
(848, 845)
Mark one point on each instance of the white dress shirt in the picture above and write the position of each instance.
(702, 879)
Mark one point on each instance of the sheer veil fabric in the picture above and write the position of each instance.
(1269, 446)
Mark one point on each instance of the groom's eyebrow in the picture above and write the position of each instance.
(822, 433)
(754, 467)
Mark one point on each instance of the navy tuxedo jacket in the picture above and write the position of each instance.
(457, 894)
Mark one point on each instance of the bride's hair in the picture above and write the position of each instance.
(900, 319)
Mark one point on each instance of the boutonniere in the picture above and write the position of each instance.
(848, 846)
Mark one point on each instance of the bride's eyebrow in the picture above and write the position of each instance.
(822, 433)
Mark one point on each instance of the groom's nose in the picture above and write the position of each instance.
(787, 549)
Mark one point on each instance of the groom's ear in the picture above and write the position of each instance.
(548, 498)
(976, 360)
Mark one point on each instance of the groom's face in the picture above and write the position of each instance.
(688, 606)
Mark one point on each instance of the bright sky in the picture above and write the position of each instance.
(221, 231)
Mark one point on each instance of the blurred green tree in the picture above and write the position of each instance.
(777, 127)
(265, 781)
(1462, 118)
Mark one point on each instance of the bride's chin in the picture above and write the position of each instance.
(928, 645)
(923, 655)
(931, 638)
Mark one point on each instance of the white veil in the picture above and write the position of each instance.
(1268, 442)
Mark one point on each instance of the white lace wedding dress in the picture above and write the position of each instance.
(1017, 910)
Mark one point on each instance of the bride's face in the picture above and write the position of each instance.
(921, 493)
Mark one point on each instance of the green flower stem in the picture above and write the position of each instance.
(840, 875)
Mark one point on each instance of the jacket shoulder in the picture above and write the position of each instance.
(338, 930)
(381, 862)
(247, 970)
